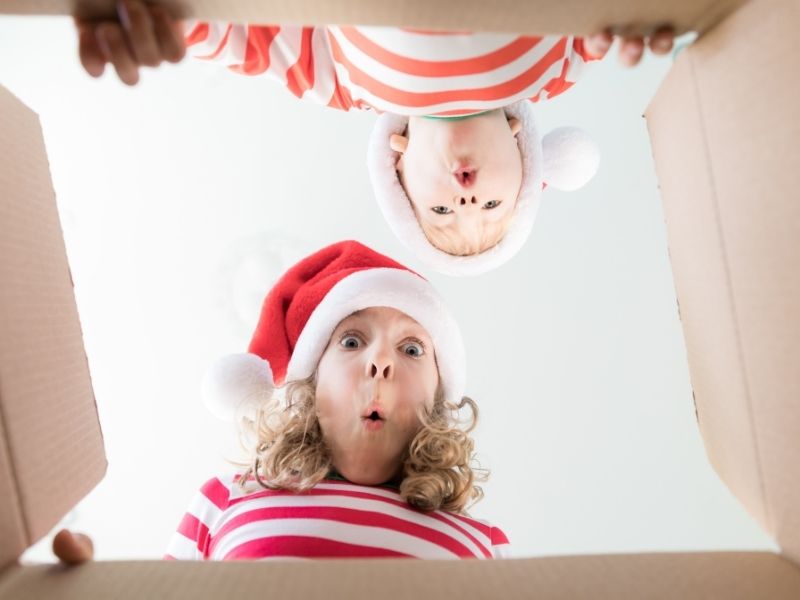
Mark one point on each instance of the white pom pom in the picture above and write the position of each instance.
(236, 385)
(571, 158)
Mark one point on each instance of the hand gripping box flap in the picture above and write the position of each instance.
(726, 142)
(566, 16)
(51, 448)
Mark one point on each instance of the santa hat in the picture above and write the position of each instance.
(565, 159)
(304, 307)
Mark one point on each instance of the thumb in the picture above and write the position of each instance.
(72, 549)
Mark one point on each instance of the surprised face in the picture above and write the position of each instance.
(462, 178)
(376, 375)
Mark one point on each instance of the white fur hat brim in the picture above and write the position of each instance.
(236, 385)
(575, 149)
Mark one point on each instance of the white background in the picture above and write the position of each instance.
(183, 198)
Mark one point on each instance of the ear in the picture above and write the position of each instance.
(515, 124)
(398, 143)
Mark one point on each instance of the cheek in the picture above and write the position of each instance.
(335, 382)
(420, 385)
(332, 415)
(505, 181)
(422, 180)
(510, 161)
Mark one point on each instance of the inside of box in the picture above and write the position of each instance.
(49, 419)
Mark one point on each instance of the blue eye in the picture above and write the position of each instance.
(350, 341)
(441, 210)
(413, 349)
(492, 204)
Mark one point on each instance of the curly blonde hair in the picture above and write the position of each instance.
(287, 450)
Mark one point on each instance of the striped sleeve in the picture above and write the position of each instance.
(192, 538)
(576, 57)
(500, 545)
(299, 58)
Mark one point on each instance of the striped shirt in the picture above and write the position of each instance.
(335, 519)
(402, 71)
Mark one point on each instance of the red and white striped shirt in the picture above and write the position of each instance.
(402, 71)
(335, 519)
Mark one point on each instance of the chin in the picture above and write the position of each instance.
(366, 476)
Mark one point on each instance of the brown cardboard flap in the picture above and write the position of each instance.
(12, 531)
(732, 576)
(566, 16)
(52, 445)
(726, 141)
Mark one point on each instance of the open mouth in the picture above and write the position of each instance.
(373, 418)
(373, 421)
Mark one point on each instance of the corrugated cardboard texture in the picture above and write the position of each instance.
(731, 576)
(12, 531)
(51, 435)
(565, 16)
(726, 141)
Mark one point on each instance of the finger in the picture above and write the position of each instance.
(89, 51)
(72, 549)
(169, 34)
(599, 43)
(109, 36)
(137, 24)
(631, 51)
(662, 39)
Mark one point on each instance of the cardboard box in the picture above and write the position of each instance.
(725, 141)
(573, 16)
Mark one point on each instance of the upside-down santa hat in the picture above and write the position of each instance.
(565, 159)
(304, 307)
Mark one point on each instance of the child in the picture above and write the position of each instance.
(460, 189)
(363, 457)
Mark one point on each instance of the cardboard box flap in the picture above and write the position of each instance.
(52, 447)
(12, 532)
(567, 16)
(733, 576)
(726, 141)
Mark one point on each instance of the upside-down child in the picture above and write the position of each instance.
(455, 159)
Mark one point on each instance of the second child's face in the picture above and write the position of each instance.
(463, 178)
(374, 377)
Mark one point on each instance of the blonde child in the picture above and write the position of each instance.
(455, 159)
(364, 454)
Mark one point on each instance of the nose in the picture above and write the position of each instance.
(465, 177)
(464, 201)
(380, 365)
(380, 370)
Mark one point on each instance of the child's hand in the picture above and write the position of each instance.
(72, 548)
(143, 36)
(631, 47)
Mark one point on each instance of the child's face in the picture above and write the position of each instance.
(380, 363)
(462, 177)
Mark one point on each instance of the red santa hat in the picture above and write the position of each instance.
(304, 307)
(565, 159)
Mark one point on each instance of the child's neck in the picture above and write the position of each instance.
(456, 117)
(393, 483)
